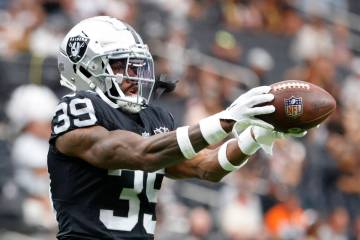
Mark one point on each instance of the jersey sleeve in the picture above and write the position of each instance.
(74, 111)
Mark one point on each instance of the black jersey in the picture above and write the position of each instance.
(93, 203)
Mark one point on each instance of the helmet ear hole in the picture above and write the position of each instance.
(85, 72)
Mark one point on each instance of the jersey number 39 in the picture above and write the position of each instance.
(128, 223)
(81, 114)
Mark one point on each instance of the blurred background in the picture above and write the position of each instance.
(308, 189)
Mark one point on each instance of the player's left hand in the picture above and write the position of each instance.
(266, 137)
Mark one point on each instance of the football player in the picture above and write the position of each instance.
(110, 149)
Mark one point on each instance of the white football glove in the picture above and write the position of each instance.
(266, 137)
(242, 110)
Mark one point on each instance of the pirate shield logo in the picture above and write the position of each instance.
(76, 48)
(294, 107)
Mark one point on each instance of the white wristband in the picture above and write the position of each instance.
(182, 137)
(246, 142)
(212, 130)
(224, 161)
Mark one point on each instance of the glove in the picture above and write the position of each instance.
(242, 110)
(266, 137)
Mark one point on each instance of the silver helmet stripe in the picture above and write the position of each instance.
(136, 36)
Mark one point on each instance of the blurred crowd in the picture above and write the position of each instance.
(308, 188)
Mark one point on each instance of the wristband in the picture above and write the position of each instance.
(247, 142)
(212, 130)
(224, 161)
(182, 137)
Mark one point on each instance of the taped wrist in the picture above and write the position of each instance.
(183, 140)
(247, 142)
(224, 161)
(212, 130)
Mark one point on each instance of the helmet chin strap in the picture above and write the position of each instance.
(129, 106)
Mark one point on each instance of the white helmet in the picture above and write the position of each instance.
(85, 55)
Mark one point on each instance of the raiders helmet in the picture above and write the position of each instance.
(86, 53)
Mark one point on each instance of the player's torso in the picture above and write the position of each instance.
(92, 202)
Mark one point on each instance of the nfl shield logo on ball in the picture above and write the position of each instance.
(294, 107)
(76, 48)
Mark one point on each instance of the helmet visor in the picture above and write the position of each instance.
(136, 77)
(145, 74)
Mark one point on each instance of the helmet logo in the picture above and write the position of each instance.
(76, 48)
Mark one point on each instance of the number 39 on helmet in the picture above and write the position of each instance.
(86, 53)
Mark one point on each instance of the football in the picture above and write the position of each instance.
(299, 106)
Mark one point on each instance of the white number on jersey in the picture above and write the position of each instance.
(81, 110)
(131, 194)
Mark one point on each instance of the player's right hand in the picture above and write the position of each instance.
(244, 111)
(266, 137)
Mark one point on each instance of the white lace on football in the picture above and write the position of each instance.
(289, 85)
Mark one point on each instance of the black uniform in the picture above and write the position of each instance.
(93, 203)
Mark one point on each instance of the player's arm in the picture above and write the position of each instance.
(214, 164)
(206, 164)
(124, 149)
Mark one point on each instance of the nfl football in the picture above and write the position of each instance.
(299, 106)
